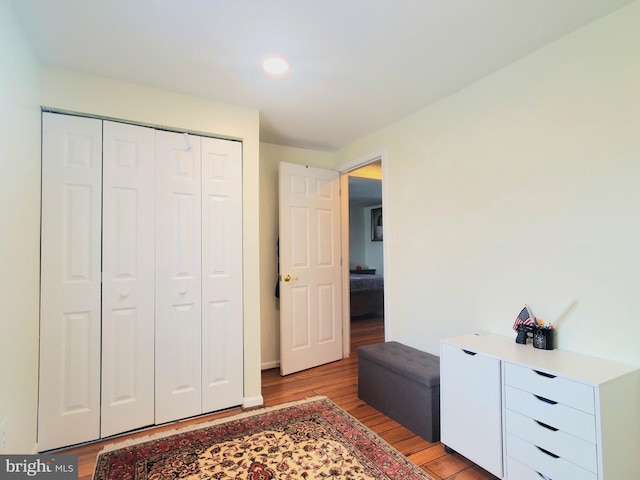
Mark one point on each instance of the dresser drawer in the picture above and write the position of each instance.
(560, 443)
(544, 463)
(556, 389)
(518, 471)
(568, 419)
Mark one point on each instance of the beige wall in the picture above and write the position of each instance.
(270, 157)
(68, 90)
(19, 241)
(522, 188)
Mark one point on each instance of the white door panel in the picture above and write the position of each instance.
(141, 296)
(69, 406)
(472, 428)
(128, 278)
(222, 314)
(178, 277)
(310, 255)
(300, 331)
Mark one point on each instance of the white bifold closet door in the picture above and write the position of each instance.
(199, 275)
(69, 405)
(128, 273)
(141, 278)
(222, 313)
(178, 277)
(97, 340)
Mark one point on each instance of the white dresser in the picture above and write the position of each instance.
(555, 415)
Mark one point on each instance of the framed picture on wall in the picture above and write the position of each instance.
(376, 224)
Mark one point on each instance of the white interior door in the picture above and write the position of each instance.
(69, 405)
(178, 277)
(310, 268)
(222, 318)
(128, 266)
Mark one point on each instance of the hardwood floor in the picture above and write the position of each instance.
(339, 382)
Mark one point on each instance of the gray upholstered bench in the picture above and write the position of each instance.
(404, 384)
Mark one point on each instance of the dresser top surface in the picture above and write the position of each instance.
(581, 367)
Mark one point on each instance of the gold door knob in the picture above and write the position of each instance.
(288, 278)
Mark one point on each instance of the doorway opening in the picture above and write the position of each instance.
(362, 246)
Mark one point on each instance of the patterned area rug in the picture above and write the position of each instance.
(312, 439)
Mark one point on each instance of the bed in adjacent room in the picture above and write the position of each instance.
(367, 293)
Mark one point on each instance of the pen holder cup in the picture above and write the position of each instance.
(544, 338)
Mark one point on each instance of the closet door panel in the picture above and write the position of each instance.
(222, 316)
(69, 391)
(128, 278)
(178, 277)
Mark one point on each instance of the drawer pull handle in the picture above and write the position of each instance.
(549, 427)
(546, 400)
(469, 352)
(547, 452)
(544, 374)
(543, 476)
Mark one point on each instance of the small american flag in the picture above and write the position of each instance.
(525, 317)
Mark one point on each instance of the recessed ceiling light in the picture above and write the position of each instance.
(275, 66)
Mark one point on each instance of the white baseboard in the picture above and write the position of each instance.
(270, 365)
(252, 402)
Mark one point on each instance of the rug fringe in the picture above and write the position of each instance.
(210, 423)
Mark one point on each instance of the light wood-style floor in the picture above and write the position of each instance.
(339, 382)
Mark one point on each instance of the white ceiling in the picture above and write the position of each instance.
(357, 65)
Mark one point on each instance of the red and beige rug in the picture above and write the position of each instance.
(312, 439)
